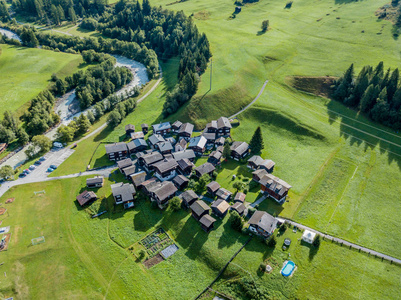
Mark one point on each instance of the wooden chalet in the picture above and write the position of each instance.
(186, 154)
(129, 128)
(95, 182)
(258, 174)
(155, 139)
(181, 145)
(239, 197)
(128, 171)
(86, 197)
(239, 150)
(198, 144)
(162, 128)
(223, 127)
(117, 151)
(145, 128)
(125, 163)
(165, 147)
(210, 137)
(186, 130)
(148, 160)
(206, 168)
(176, 126)
(215, 157)
(199, 209)
(138, 178)
(207, 223)
(181, 182)
(239, 207)
(165, 169)
(212, 188)
(262, 223)
(254, 162)
(220, 208)
(137, 145)
(211, 127)
(268, 165)
(220, 141)
(188, 198)
(162, 192)
(123, 193)
(224, 194)
(274, 187)
(185, 167)
(137, 135)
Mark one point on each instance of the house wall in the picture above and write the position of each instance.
(166, 176)
(272, 194)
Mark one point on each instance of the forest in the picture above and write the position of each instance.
(375, 92)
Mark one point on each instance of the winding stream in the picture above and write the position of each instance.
(9, 34)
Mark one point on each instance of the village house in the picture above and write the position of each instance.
(162, 128)
(129, 128)
(165, 169)
(181, 182)
(138, 178)
(176, 126)
(212, 188)
(207, 223)
(239, 150)
(198, 144)
(215, 157)
(137, 146)
(223, 127)
(258, 174)
(206, 168)
(123, 193)
(254, 162)
(211, 127)
(274, 187)
(122, 164)
(145, 128)
(95, 182)
(137, 135)
(181, 145)
(220, 148)
(165, 147)
(186, 154)
(239, 197)
(220, 142)
(128, 171)
(147, 185)
(268, 165)
(117, 151)
(262, 223)
(188, 198)
(185, 166)
(148, 160)
(220, 208)
(86, 197)
(155, 139)
(199, 209)
(186, 130)
(239, 208)
(224, 194)
(162, 192)
(210, 137)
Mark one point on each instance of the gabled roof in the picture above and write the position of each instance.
(210, 136)
(223, 193)
(239, 147)
(189, 196)
(199, 207)
(213, 186)
(177, 124)
(95, 180)
(205, 168)
(124, 163)
(260, 173)
(136, 144)
(180, 180)
(156, 138)
(239, 197)
(161, 126)
(189, 154)
(165, 146)
(116, 147)
(129, 127)
(163, 190)
(207, 220)
(152, 158)
(130, 170)
(184, 163)
(212, 124)
(144, 125)
(216, 155)
(220, 140)
(137, 135)
(268, 164)
(199, 141)
(256, 159)
(186, 128)
(238, 207)
(275, 184)
(138, 178)
(223, 122)
(125, 190)
(183, 143)
(85, 197)
(221, 205)
(165, 165)
(263, 220)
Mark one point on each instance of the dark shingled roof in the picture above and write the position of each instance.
(189, 154)
(221, 205)
(129, 127)
(85, 197)
(184, 163)
(210, 136)
(152, 158)
(95, 180)
(220, 140)
(205, 168)
(216, 155)
(239, 147)
(223, 193)
(137, 135)
(256, 159)
(161, 126)
(144, 125)
(136, 143)
(180, 180)
(116, 147)
(239, 197)
(165, 146)
(138, 178)
(130, 170)
(126, 190)
(163, 190)
(213, 186)
(156, 138)
(207, 220)
(189, 196)
(199, 207)
(165, 165)
(124, 163)
(223, 122)
(186, 128)
(177, 124)
(263, 220)
(238, 207)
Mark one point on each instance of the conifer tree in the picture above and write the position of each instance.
(256, 143)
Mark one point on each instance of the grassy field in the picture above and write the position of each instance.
(28, 72)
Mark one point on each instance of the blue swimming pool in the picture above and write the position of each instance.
(288, 269)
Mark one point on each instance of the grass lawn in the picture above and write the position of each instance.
(28, 72)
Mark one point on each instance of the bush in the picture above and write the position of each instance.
(236, 221)
(142, 254)
(283, 228)
(175, 204)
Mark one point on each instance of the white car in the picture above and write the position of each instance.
(32, 167)
(58, 145)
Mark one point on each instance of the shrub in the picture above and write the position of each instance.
(283, 228)
(175, 204)
(142, 254)
(236, 221)
(288, 5)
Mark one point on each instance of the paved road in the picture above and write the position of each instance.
(257, 202)
(345, 243)
(253, 101)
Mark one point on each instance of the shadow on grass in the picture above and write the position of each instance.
(229, 236)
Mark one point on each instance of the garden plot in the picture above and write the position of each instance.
(158, 241)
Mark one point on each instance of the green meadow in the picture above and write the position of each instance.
(26, 72)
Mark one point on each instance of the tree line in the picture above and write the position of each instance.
(168, 33)
(375, 92)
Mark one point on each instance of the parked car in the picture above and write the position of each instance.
(42, 158)
(26, 171)
(53, 167)
(32, 167)
(21, 175)
(58, 145)
(50, 170)
(38, 163)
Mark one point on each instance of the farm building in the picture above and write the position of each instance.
(186, 154)
(258, 174)
(212, 188)
(262, 223)
(137, 135)
(254, 162)
(145, 128)
(162, 192)
(206, 168)
(86, 197)
(239, 197)
(162, 128)
(176, 126)
(267, 165)
(186, 130)
(129, 128)
(199, 209)
(274, 187)
(220, 208)
(215, 157)
(125, 163)
(137, 146)
(128, 171)
(95, 182)
(211, 127)
(207, 222)
(239, 208)
(155, 139)
(308, 236)
(116, 151)
(188, 198)
(181, 182)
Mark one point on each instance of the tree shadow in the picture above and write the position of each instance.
(229, 236)
(346, 1)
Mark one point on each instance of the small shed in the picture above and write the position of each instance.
(207, 222)
(181, 182)
(86, 197)
(308, 236)
(129, 128)
(145, 128)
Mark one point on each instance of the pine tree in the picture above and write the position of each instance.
(344, 85)
(72, 15)
(367, 99)
(361, 84)
(256, 143)
(226, 151)
(392, 84)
